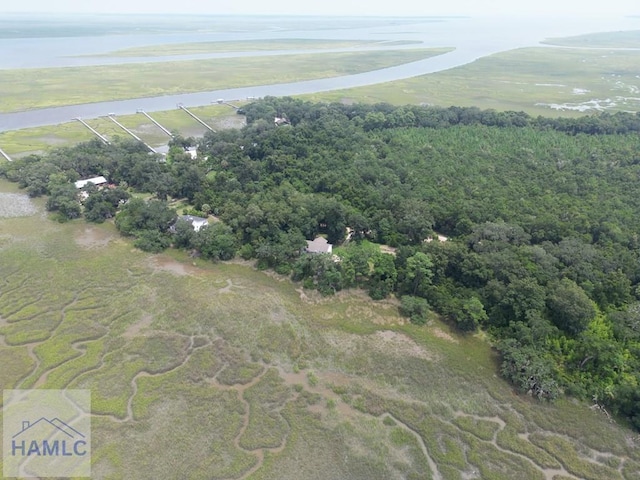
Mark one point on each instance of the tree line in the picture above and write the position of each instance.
(542, 216)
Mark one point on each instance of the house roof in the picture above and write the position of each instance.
(193, 219)
(319, 245)
(95, 180)
(196, 222)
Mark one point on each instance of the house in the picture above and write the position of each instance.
(281, 121)
(192, 151)
(319, 245)
(196, 222)
(98, 181)
(436, 236)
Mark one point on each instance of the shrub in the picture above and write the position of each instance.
(416, 308)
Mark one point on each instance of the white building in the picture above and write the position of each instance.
(196, 222)
(319, 245)
(95, 180)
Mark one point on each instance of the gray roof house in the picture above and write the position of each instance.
(196, 222)
(319, 245)
(95, 180)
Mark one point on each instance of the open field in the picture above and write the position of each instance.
(37, 140)
(539, 81)
(79, 25)
(629, 39)
(244, 46)
(263, 380)
(25, 89)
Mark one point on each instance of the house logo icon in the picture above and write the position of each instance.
(46, 433)
(46, 437)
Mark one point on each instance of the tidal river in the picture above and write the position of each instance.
(472, 38)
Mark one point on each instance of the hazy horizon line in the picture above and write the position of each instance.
(323, 15)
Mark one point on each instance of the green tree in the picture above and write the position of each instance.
(35, 177)
(627, 400)
(418, 274)
(382, 280)
(63, 197)
(515, 300)
(569, 306)
(103, 204)
(216, 242)
(183, 234)
(469, 314)
(614, 290)
(415, 221)
(528, 370)
(416, 308)
(325, 273)
(138, 215)
(152, 241)
(283, 249)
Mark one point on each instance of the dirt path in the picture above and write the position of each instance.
(31, 346)
(134, 329)
(240, 389)
(3, 342)
(36, 363)
(494, 419)
(229, 286)
(432, 464)
(301, 378)
(259, 452)
(45, 375)
(143, 373)
(548, 473)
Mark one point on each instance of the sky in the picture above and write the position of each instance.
(329, 7)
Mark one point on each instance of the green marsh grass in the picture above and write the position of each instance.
(174, 354)
(42, 139)
(527, 79)
(621, 39)
(564, 451)
(241, 46)
(16, 363)
(509, 439)
(50, 87)
(266, 427)
(483, 429)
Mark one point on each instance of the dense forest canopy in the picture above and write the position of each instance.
(542, 215)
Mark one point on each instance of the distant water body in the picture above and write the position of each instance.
(472, 38)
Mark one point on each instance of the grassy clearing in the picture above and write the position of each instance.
(483, 429)
(629, 39)
(47, 26)
(221, 371)
(266, 428)
(540, 81)
(238, 371)
(241, 46)
(563, 450)
(15, 362)
(90, 359)
(516, 80)
(511, 439)
(50, 87)
(188, 429)
(42, 139)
